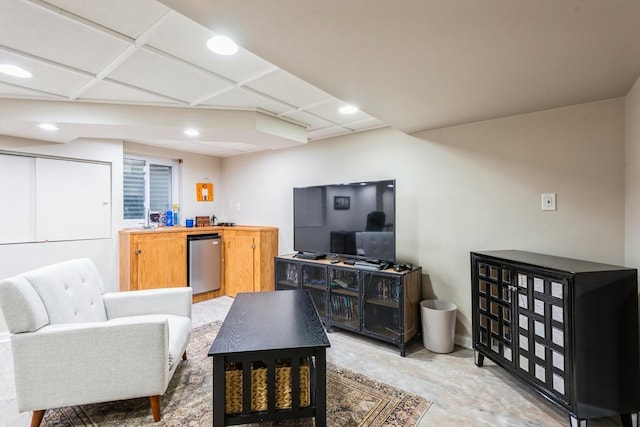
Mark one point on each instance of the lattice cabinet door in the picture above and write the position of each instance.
(494, 291)
(543, 332)
(566, 327)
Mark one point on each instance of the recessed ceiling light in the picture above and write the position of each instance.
(191, 132)
(222, 45)
(348, 109)
(48, 126)
(15, 71)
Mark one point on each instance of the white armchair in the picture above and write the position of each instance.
(74, 344)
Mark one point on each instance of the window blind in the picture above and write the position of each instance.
(159, 187)
(134, 189)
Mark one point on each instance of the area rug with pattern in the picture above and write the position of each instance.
(352, 399)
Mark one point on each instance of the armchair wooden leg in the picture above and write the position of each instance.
(37, 417)
(184, 355)
(155, 407)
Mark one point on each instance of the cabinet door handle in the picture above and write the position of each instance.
(138, 251)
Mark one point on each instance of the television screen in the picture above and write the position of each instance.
(355, 220)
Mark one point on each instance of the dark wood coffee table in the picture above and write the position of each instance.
(266, 327)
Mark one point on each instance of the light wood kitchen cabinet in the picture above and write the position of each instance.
(161, 262)
(248, 259)
(152, 260)
(158, 258)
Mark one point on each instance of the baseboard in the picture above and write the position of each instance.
(463, 341)
(4, 336)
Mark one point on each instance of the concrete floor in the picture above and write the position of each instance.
(462, 394)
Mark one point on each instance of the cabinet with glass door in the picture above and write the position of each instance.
(390, 305)
(313, 277)
(287, 275)
(344, 298)
(382, 308)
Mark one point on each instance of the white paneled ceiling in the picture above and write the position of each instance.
(89, 55)
(413, 65)
(425, 64)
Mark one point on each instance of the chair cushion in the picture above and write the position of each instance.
(21, 306)
(71, 291)
(179, 336)
(179, 332)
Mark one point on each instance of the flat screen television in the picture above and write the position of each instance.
(351, 221)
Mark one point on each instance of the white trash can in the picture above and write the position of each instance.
(438, 325)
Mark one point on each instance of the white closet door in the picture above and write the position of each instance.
(17, 210)
(73, 200)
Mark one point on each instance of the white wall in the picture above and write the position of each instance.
(463, 188)
(470, 187)
(632, 176)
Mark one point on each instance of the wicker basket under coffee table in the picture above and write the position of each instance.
(269, 360)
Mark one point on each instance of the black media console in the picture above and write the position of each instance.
(568, 328)
(379, 303)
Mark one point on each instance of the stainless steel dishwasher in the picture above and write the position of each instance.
(204, 258)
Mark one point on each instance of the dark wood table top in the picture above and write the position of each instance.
(266, 321)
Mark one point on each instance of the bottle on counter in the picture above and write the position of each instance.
(169, 218)
(176, 214)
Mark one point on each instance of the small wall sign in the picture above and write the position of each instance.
(204, 192)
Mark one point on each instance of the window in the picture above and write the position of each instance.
(150, 185)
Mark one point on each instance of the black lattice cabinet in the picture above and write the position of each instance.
(566, 327)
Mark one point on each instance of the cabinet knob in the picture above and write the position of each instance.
(138, 251)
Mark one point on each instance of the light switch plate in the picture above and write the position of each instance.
(548, 201)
